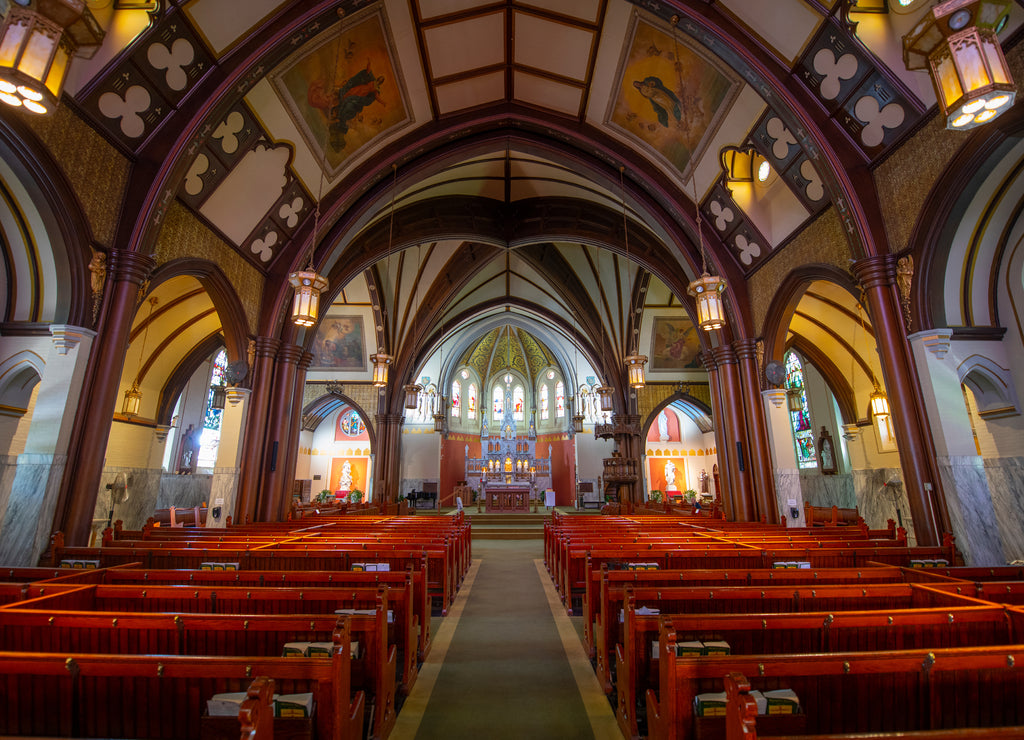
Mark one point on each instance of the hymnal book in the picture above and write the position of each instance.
(293, 705)
(225, 705)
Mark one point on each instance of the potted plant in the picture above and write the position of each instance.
(690, 495)
(325, 496)
(655, 497)
(355, 496)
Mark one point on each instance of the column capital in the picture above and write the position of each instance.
(236, 395)
(290, 353)
(390, 419)
(936, 341)
(746, 349)
(876, 272)
(132, 267)
(267, 346)
(777, 396)
(305, 360)
(709, 362)
(724, 355)
(66, 337)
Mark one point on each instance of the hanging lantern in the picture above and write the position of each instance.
(707, 289)
(577, 422)
(308, 285)
(381, 360)
(794, 402)
(132, 400)
(439, 423)
(412, 395)
(879, 404)
(218, 394)
(957, 42)
(607, 402)
(635, 367)
(35, 52)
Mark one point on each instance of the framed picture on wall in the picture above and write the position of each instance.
(339, 344)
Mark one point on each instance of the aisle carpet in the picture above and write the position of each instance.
(513, 667)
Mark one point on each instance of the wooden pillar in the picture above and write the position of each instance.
(877, 276)
(276, 478)
(262, 375)
(386, 467)
(737, 449)
(757, 432)
(630, 447)
(725, 488)
(291, 447)
(80, 487)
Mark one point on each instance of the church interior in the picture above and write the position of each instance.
(743, 268)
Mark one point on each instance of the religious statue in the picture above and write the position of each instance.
(188, 451)
(663, 426)
(904, 279)
(670, 476)
(345, 481)
(98, 270)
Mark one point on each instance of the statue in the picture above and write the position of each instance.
(188, 451)
(98, 268)
(904, 279)
(345, 481)
(670, 476)
(663, 426)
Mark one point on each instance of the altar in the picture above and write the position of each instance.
(507, 498)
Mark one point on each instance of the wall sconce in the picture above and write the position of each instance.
(36, 49)
(381, 360)
(957, 42)
(744, 165)
(635, 367)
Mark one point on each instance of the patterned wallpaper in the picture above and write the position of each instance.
(652, 394)
(821, 242)
(97, 172)
(183, 235)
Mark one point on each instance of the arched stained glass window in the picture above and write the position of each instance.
(456, 398)
(517, 400)
(498, 402)
(559, 399)
(209, 439)
(803, 432)
(471, 402)
(544, 401)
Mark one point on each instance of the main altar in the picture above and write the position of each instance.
(509, 474)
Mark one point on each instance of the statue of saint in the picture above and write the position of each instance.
(345, 481)
(670, 476)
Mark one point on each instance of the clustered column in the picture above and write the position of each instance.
(262, 375)
(757, 436)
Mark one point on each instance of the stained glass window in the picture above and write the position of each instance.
(803, 432)
(471, 402)
(544, 401)
(209, 439)
(456, 398)
(517, 401)
(499, 402)
(560, 399)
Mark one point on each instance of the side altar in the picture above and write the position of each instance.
(509, 474)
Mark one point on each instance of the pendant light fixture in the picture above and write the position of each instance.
(382, 359)
(634, 361)
(133, 396)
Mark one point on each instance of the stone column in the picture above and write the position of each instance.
(276, 479)
(79, 489)
(737, 448)
(27, 507)
(973, 517)
(788, 493)
(921, 476)
(760, 452)
(255, 428)
(224, 485)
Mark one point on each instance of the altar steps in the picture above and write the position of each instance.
(517, 526)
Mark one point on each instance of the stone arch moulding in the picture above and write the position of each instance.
(992, 386)
(695, 410)
(320, 408)
(19, 374)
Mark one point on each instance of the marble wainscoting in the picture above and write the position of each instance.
(8, 469)
(223, 493)
(787, 488)
(28, 518)
(184, 491)
(143, 488)
(878, 502)
(829, 490)
(1006, 487)
(971, 513)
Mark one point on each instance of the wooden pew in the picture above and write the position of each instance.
(161, 696)
(256, 715)
(831, 515)
(908, 689)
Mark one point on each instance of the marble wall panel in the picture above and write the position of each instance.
(829, 490)
(1006, 487)
(184, 490)
(970, 508)
(787, 488)
(28, 519)
(143, 488)
(223, 493)
(879, 502)
(8, 468)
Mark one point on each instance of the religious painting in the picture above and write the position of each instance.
(350, 427)
(346, 91)
(348, 474)
(339, 344)
(675, 344)
(670, 96)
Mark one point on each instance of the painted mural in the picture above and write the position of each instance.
(669, 103)
(339, 344)
(345, 92)
(675, 344)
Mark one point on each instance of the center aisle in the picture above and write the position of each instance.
(506, 661)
